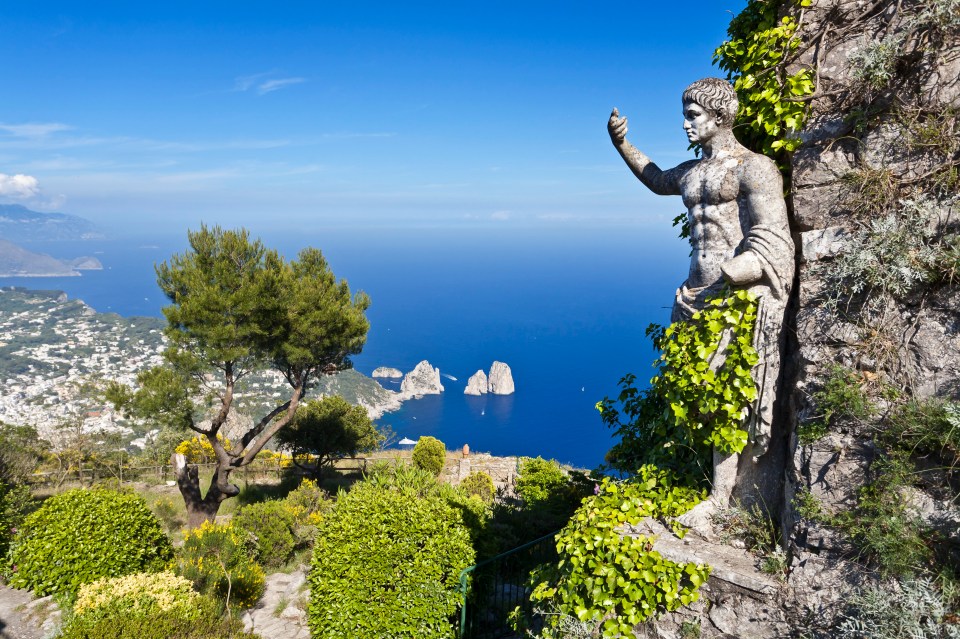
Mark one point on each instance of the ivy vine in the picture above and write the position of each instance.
(772, 101)
(692, 405)
(612, 581)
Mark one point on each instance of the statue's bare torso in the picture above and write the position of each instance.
(710, 190)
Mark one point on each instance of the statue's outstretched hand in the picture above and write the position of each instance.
(617, 127)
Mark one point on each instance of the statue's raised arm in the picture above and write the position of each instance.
(658, 181)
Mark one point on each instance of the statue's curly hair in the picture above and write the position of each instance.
(716, 95)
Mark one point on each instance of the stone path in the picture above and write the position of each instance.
(24, 617)
(281, 612)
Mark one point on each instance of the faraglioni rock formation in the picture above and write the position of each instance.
(386, 371)
(500, 380)
(477, 384)
(424, 379)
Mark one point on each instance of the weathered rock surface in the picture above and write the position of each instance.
(477, 384)
(738, 600)
(386, 371)
(422, 380)
(500, 380)
(22, 616)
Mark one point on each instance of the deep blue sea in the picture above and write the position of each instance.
(566, 309)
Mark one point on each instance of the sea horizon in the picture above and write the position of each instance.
(565, 309)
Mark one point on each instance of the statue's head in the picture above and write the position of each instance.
(715, 95)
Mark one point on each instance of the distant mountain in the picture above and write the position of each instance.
(20, 224)
(19, 262)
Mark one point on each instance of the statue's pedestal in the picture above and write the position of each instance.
(738, 600)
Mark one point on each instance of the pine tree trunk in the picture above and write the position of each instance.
(201, 508)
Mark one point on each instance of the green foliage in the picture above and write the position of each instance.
(874, 63)
(429, 454)
(15, 502)
(755, 528)
(480, 484)
(21, 450)
(929, 426)
(80, 536)
(217, 559)
(273, 526)
(238, 308)
(538, 480)
(888, 533)
(690, 630)
(147, 606)
(913, 608)
(615, 581)
(840, 398)
(772, 108)
(329, 428)
(895, 252)
(886, 530)
(386, 564)
(690, 406)
(167, 512)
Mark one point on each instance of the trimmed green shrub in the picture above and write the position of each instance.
(429, 454)
(137, 593)
(539, 480)
(80, 536)
(480, 484)
(216, 558)
(386, 564)
(273, 525)
(147, 606)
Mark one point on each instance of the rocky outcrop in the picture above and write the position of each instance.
(422, 380)
(386, 371)
(477, 384)
(500, 380)
(867, 197)
(86, 263)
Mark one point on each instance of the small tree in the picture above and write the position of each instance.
(429, 454)
(238, 307)
(328, 429)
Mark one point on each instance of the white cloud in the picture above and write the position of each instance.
(34, 129)
(279, 83)
(500, 216)
(19, 187)
(26, 189)
(264, 83)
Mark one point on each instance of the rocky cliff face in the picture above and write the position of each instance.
(387, 372)
(500, 380)
(869, 405)
(422, 380)
(877, 309)
(477, 384)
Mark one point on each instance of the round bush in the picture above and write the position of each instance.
(386, 565)
(480, 484)
(216, 558)
(273, 524)
(80, 536)
(146, 606)
(138, 594)
(429, 454)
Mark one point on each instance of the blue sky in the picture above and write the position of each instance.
(347, 114)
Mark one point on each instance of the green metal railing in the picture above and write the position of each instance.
(492, 589)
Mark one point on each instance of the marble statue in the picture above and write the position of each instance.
(739, 236)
